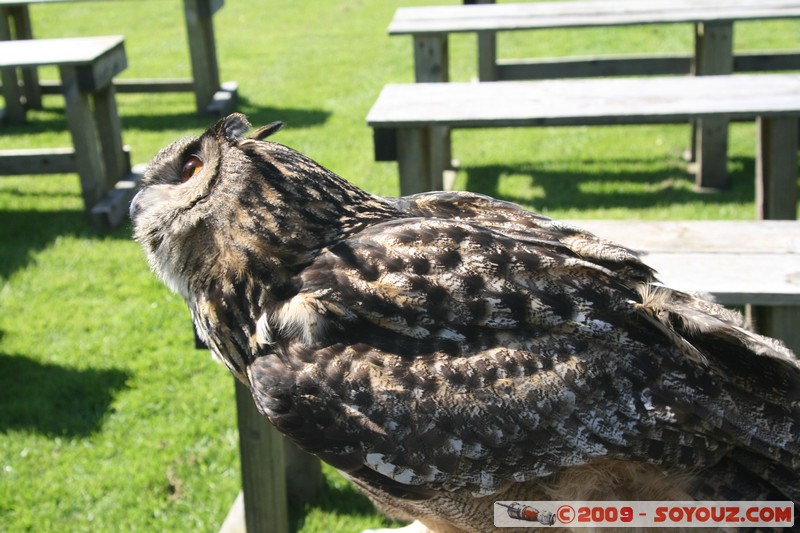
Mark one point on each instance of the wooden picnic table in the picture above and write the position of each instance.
(409, 119)
(713, 55)
(87, 66)
(211, 96)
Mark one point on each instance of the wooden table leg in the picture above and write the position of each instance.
(262, 467)
(14, 110)
(431, 65)
(776, 168)
(205, 70)
(116, 160)
(30, 76)
(431, 59)
(713, 56)
(414, 160)
(487, 49)
(779, 322)
(776, 199)
(83, 128)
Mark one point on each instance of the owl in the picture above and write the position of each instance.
(447, 350)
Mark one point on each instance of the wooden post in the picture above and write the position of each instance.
(414, 160)
(776, 168)
(430, 58)
(487, 56)
(303, 473)
(262, 468)
(84, 138)
(431, 65)
(30, 77)
(776, 199)
(779, 322)
(115, 158)
(713, 55)
(14, 111)
(205, 70)
(487, 49)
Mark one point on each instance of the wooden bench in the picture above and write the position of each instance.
(211, 96)
(87, 66)
(713, 31)
(752, 263)
(411, 122)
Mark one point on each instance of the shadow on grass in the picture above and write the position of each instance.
(24, 232)
(567, 190)
(258, 116)
(54, 119)
(54, 400)
(339, 498)
(294, 118)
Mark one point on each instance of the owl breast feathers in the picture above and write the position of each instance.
(446, 350)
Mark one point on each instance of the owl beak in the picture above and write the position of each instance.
(133, 209)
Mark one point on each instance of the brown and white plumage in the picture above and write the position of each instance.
(446, 350)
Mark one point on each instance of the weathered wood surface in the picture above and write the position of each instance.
(596, 101)
(713, 56)
(37, 161)
(738, 262)
(544, 15)
(67, 51)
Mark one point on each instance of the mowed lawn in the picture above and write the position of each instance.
(110, 420)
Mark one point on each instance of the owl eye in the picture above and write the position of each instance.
(192, 166)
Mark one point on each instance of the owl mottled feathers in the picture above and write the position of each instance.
(446, 350)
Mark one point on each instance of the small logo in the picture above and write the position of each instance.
(527, 513)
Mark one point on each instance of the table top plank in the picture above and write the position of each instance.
(761, 265)
(66, 52)
(548, 15)
(589, 101)
(776, 237)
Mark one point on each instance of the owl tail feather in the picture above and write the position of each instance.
(755, 379)
(692, 321)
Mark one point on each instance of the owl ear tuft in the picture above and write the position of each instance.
(232, 127)
(265, 131)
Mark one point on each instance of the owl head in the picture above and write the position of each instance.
(225, 206)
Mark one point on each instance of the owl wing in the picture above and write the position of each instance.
(473, 349)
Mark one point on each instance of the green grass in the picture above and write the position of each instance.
(109, 419)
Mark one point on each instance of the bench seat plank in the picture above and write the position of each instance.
(69, 51)
(549, 15)
(595, 101)
(738, 262)
(96, 59)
